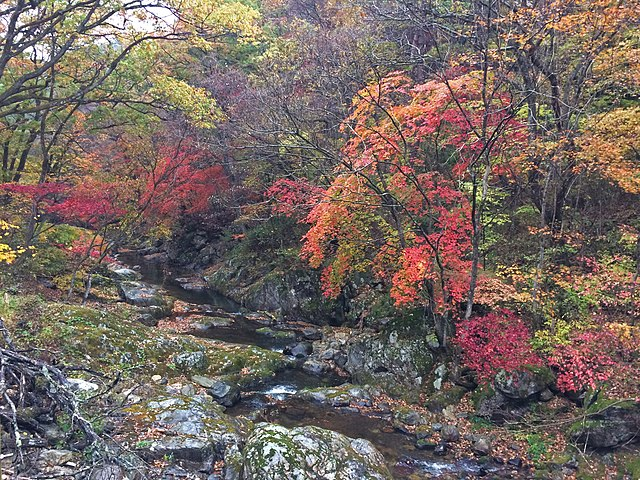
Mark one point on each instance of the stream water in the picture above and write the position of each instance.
(274, 401)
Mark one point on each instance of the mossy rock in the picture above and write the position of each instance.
(110, 340)
(274, 452)
(443, 398)
(608, 424)
(400, 366)
(193, 428)
(281, 334)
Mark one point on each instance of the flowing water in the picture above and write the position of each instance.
(274, 400)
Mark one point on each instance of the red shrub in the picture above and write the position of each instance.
(497, 341)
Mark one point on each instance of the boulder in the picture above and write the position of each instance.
(312, 334)
(141, 294)
(441, 449)
(299, 350)
(398, 365)
(524, 385)
(408, 417)
(295, 292)
(496, 407)
(609, 426)
(274, 452)
(481, 445)
(148, 319)
(441, 399)
(194, 284)
(188, 361)
(124, 273)
(54, 458)
(107, 472)
(205, 382)
(192, 428)
(450, 433)
(226, 394)
(315, 367)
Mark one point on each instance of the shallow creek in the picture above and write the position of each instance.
(273, 400)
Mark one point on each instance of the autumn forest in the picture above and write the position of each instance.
(309, 239)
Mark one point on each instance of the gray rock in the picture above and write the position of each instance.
(440, 450)
(310, 333)
(124, 273)
(315, 367)
(521, 385)
(226, 394)
(193, 428)
(191, 361)
(409, 417)
(450, 433)
(342, 400)
(140, 294)
(274, 452)
(328, 354)
(205, 382)
(425, 444)
(299, 350)
(155, 311)
(498, 408)
(295, 293)
(82, 387)
(107, 472)
(481, 445)
(54, 458)
(203, 323)
(398, 365)
(187, 390)
(609, 427)
(148, 319)
(515, 462)
(546, 395)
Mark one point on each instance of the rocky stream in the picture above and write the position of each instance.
(312, 419)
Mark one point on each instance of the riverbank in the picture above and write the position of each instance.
(185, 383)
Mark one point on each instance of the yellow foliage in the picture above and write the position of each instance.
(610, 147)
(198, 106)
(215, 18)
(8, 254)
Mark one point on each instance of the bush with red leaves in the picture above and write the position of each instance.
(599, 355)
(497, 341)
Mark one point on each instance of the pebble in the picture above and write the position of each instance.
(450, 433)
(441, 449)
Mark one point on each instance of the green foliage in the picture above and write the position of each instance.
(479, 423)
(279, 236)
(538, 446)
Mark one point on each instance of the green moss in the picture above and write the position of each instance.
(443, 398)
(481, 393)
(603, 403)
(479, 423)
(632, 467)
(269, 332)
(110, 341)
(582, 425)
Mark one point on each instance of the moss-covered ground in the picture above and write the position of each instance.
(109, 339)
